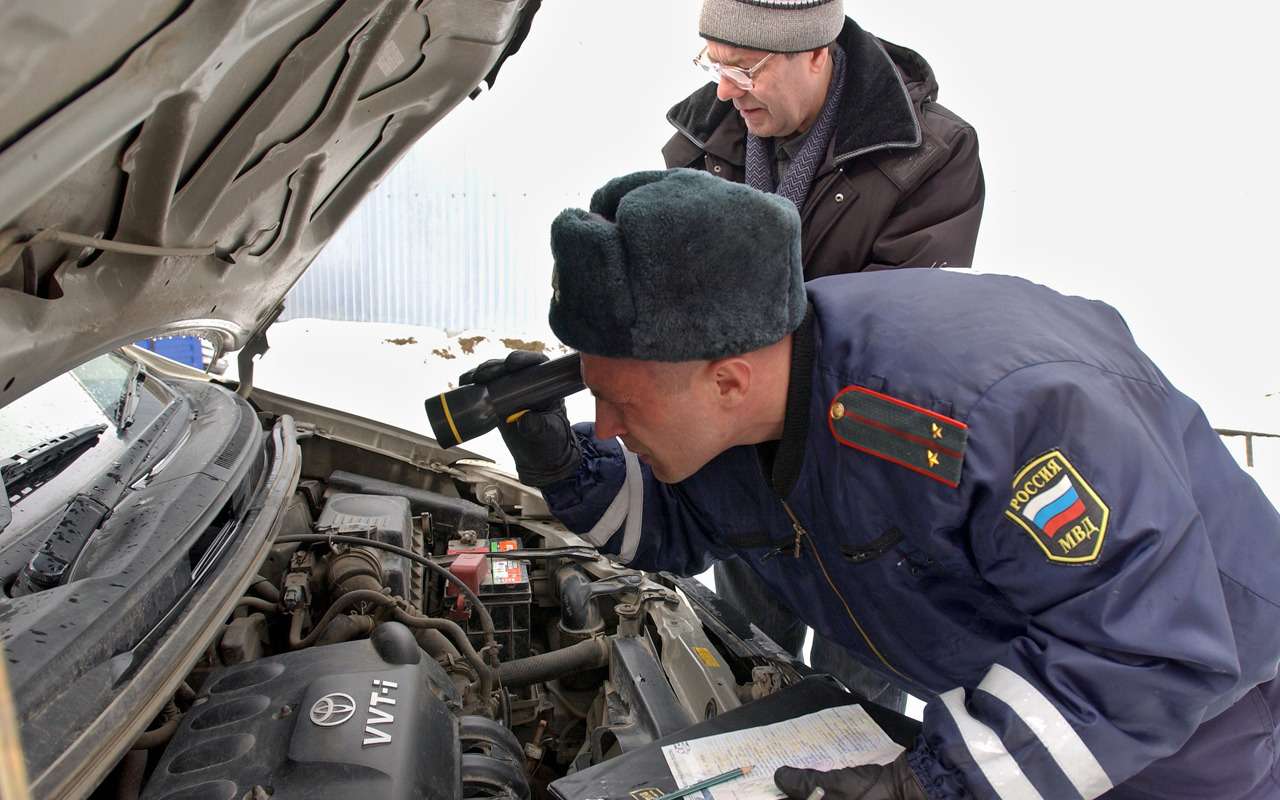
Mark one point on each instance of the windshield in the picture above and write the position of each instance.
(88, 396)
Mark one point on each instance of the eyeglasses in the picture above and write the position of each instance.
(742, 78)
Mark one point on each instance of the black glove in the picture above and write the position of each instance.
(892, 781)
(540, 440)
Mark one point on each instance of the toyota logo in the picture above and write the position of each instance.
(334, 708)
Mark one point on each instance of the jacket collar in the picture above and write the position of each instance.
(876, 110)
(782, 460)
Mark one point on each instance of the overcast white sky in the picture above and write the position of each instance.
(1128, 150)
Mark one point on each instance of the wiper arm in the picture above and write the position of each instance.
(24, 472)
(6, 513)
(87, 510)
(127, 405)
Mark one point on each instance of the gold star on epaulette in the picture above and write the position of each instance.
(937, 431)
(933, 458)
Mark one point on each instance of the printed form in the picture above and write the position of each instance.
(829, 739)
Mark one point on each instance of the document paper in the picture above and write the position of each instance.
(844, 736)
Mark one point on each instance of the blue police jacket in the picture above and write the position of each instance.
(987, 492)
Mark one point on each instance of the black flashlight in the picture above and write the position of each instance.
(468, 411)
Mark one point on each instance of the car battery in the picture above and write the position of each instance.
(503, 587)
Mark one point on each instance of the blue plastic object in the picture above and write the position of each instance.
(183, 349)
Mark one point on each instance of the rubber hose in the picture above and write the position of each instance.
(486, 621)
(335, 608)
(436, 643)
(265, 588)
(160, 736)
(347, 627)
(587, 654)
(257, 604)
(460, 640)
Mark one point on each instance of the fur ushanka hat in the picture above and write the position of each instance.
(676, 265)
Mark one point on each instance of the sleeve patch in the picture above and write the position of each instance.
(907, 435)
(1059, 509)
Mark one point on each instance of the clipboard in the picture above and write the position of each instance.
(642, 774)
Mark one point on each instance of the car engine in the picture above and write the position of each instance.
(433, 633)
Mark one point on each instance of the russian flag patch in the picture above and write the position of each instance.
(1059, 509)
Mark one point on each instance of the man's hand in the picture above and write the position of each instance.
(892, 781)
(540, 440)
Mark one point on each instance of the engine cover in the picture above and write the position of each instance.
(358, 719)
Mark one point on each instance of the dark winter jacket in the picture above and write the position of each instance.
(988, 493)
(901, 184)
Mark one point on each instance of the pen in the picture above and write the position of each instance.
(716, 780)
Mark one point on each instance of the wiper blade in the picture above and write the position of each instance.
(26, 471)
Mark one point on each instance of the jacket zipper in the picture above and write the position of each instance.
(802, 535)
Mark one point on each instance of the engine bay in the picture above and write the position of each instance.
(423, 630)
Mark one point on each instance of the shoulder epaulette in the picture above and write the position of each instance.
(913, 437)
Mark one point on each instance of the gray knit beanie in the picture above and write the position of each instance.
(677, 265)
(775, 26)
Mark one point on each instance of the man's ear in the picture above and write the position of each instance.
(817, 58)
(732, 379)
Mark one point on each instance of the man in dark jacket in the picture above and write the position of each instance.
(975, 484)
(891, 180)
(808, 105)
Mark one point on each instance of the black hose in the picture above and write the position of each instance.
(347, 627)
(257, 604)
(335, 608)
(265, 589)
(460, 640)
(585, 655)
(160, 736)
(486, 621)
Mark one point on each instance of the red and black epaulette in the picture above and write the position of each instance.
(921, 440)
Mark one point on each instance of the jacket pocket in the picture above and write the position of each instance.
(873, 549)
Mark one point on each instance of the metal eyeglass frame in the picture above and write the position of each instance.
(742, 78)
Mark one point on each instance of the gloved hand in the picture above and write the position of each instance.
(540, 440)
(892, 781)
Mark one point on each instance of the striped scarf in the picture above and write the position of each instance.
(799, 176)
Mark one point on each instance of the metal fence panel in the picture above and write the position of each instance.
(439, 245)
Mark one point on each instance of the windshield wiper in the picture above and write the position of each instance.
(127, 405)
(87, 510)
(26, 471)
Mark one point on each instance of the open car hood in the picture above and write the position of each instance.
(215, 144)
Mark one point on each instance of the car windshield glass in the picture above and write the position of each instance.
(87, 395)
(72, 424)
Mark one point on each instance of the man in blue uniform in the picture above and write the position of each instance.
(978, 486)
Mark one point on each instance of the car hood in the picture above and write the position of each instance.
(175, 165)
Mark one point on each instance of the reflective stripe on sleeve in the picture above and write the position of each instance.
(988, 752)
(1050, 727)
(627, 507)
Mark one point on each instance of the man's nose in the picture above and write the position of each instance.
(608, 423)
(728, 90)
